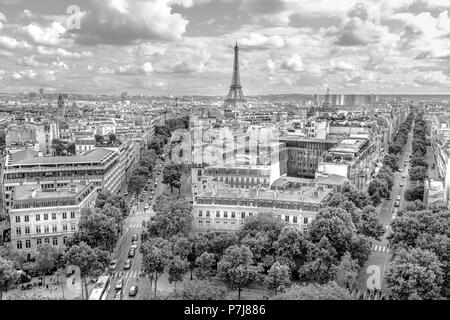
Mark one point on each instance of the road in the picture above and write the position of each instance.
(381, 254)
(132, 225)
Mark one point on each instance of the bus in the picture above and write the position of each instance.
(101, 288)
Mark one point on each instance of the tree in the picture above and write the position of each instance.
(329, 291)
(347, 271)
(136, 184)
(391, 161)
(157, 255)
(395, 148)
(370, 224)
(263, 222)
(8, 252)
(141, 171)
(173, 216)
(200, 290)
(291, 248)
(172, 176)
(419, 162)
(360, 248)
(206, 266)
(99, 138)
(97, 230)
(236, 268)
(8, 275)
(177, 269)
(416, 205)
(46, 259)
(378, 189)
(336, 225)
(278, 277)
(388, 177)
(418, 174)
(112, 138)
(114, 213)
(321, 263)
(415, 273)
(359, 198)
(92, 262)
(415, 193)
(181, 246)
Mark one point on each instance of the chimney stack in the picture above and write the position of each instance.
(33, 193)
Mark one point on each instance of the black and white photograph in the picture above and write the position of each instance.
(228, 152)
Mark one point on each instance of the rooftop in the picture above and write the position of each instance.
(28, 157)
(25, 192)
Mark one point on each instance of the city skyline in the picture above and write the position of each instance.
(183, 47)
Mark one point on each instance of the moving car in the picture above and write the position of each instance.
(146, 205)
(133, 291)
(134, 245)
(119, 284)
(401, 184)
(395, 211)
(118, 295)
(135, 237)
(127, 264)
(131, 253)
(113, 265)
(397, 203)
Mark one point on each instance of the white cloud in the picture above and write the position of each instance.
(341, 65)
(61, 52)
(12, 44)
(434, 78)
(48, 36)
(132, 69)
(294, 63)
(126, 21)
(260, 41)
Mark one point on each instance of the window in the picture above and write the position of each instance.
(18, 219)
(47, 240)
(279, 216)
(294, 219)
(200, 224)
(64, 227)
(28, 244)
(286, 218)
(200, 213)
(19, 244)
(225, 214)
(27, 230)
(38, 242)
(233, 215)
(53, 216)
(72, 215)
(207, 213)
(45, 216)
(250, 214)
(27, 218)
(54, 228)
(38, 229)
(46, 229)
(55, 241)
(64, 239)
(38, 217)
(64, 215)
(18, 231)
(242, 215)
(305, 231)
(72, 226)
(217, 214)
(305, 220)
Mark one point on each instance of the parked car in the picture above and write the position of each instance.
(401, 184)
(135, 237)
(131, 253)
(146, 205)
(133, 291)
(134, 245)
(398, 198)
(119, 284)
(118, 295)
(113, 265)
(395, 211)
(127, 264)
(397, 203)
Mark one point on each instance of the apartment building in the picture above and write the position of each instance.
(225, 209)
(47, 216)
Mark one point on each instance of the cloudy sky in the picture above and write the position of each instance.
(184, 47)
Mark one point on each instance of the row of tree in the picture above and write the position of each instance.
(265, 250)
(419, 166)
(140, 175)
(381, 186)
(420, 266)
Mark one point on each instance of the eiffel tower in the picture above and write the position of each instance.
(235, 94)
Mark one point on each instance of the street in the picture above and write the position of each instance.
(381, 254)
